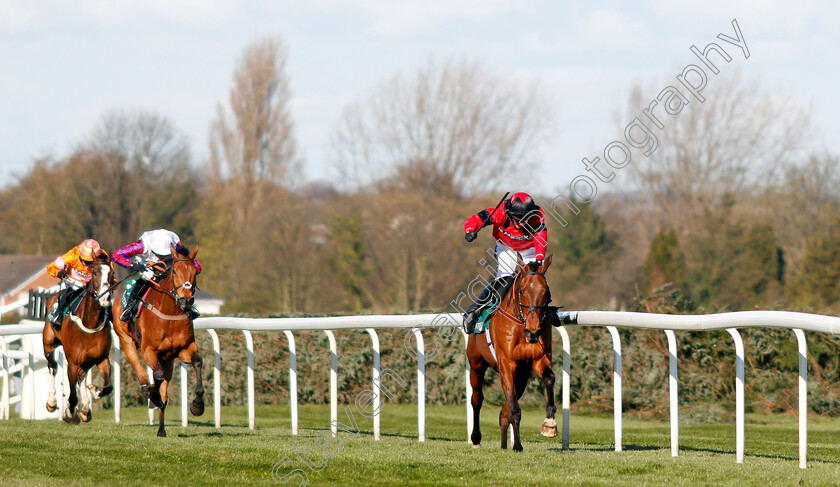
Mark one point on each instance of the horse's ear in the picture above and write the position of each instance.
(173, 251)
(546, 263)
(194, 252)
(519, 262)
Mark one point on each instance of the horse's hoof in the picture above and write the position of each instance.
(549, 428)
(86, 415)
(517, 448)
(197, 408)
(154, 398)
(161, 433)
(51, 407)
(476, 447)
(68, 417)
(105, 391)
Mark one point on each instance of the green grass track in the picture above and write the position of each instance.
(105, 453)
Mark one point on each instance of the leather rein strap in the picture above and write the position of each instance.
(520, 319)
(173, 293)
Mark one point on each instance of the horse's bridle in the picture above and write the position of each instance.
(520, 318)
(173, 293)
(93, 292)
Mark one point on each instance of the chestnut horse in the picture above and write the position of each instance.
(86, 338)
(520, 331)
(166, 333)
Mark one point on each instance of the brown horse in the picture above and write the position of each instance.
(521, 334)
(166, 333)
(86, 338)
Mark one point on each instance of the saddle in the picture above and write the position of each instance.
(72, 301)
(483, 321)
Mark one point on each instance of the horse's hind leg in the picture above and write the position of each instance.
(107, 386)
(543, 370)
(129, 349)
(50, 344)
(164, 395)
(190, 356)
(478, 367)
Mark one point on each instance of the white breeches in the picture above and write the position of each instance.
(507, 259)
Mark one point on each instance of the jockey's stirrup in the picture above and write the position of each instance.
(127, 314)
(133, 297)
(54, 317)
(493, 292)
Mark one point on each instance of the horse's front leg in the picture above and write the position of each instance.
(167, 366)
(153, 392)
(86, 410)
(74, 375)
(190, 356)
(543, 370)
(511, 414)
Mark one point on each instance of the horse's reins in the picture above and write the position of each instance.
(96, 295)
(531, 309)
(173, 293)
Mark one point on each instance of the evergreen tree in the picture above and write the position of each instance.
(582, 248)
(734, 263)
(664, 263)
(816, 281)
(347, 256)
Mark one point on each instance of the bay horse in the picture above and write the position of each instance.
(86, 338)
(166, 333)
(520, 332)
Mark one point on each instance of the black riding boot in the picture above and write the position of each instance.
(137, 291)
(494, 292)
(60, 304)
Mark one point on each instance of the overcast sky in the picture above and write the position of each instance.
(66, 63)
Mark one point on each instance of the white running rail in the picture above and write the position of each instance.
(798, 322)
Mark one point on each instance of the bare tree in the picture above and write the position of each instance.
(131, 174)
(145, 178)
(803, 204)
(732, 143)
(454, 126)
(249, 208)
(257, 143)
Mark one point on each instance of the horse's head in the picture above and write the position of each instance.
(102, 276)
(532, 297)
(183, 276)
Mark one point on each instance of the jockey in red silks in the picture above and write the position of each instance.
(152, 247)
(519, 229)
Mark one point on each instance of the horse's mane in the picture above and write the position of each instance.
(184, 251)
(534, 266)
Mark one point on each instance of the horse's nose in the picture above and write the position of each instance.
(532, 336)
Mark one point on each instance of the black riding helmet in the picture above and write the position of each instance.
(519, 206)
